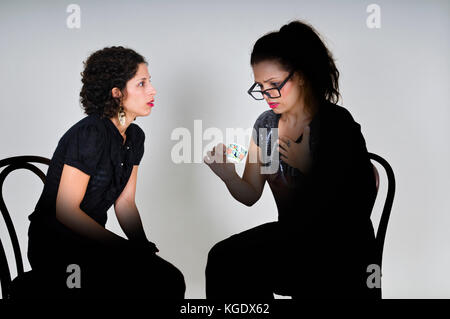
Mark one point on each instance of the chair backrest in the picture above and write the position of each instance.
(384, 220)
(11, 164)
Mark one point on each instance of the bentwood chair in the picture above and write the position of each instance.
(25, 282)
(386, 213)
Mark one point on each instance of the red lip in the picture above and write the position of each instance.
(273, 105)
(150, 103)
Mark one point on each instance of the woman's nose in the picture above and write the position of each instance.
(151, 90)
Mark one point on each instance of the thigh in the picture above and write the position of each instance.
(262, 237)
(267, 246)
(140, 273)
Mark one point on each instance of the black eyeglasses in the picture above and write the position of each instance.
(272, 92)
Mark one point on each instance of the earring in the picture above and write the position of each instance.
(121, 115)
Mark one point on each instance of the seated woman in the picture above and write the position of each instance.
(323, 182)
(94, 166)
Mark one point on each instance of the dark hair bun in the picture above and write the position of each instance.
(297, 46)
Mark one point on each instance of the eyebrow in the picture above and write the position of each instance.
(265, 81)
(144, 78)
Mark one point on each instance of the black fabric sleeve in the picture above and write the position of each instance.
(342, 190)
(139, 146)
(255, 132)
(342, 171)
(85, 146)
(341, 194)
(266, 120)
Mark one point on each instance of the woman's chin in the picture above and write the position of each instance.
(276, 110)
(146, 112)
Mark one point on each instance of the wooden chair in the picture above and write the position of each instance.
(386, 213)
(384, 220)
(23, 279)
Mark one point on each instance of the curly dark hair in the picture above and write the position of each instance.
(104, 70)
(297, 46)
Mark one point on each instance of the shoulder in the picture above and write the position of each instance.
(89, 128)
(266, 119)
(338, 129)
(90, 122)
(333, 118)
(83, 144)
(263, 125)
(336, 114)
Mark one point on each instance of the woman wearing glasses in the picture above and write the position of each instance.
(94, 167)
(323, 182)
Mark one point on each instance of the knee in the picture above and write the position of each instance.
(174, 279)
(178, 279)
(218, 254)
(217, 251)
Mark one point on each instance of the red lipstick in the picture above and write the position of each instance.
(273, 105)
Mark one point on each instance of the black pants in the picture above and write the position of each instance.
(271, 258)
(106, 271)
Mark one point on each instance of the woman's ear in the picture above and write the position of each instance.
(116, 93)
(300, 78)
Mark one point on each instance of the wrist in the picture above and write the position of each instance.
(144, 244)
(138, 239)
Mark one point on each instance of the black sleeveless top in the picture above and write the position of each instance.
(95, 146)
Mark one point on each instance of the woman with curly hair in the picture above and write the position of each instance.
(323, 182)
(95, 166)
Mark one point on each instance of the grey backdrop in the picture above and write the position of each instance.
(394, 81)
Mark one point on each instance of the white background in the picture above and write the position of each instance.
(394, 80)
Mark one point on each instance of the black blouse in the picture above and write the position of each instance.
(287, 182)
(339, 191)
(327, 212)
(95, 146)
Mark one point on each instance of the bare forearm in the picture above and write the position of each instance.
(82, 224)
(130, 221)
(241, 190)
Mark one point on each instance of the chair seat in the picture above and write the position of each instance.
(25, 286)
(33, 285)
